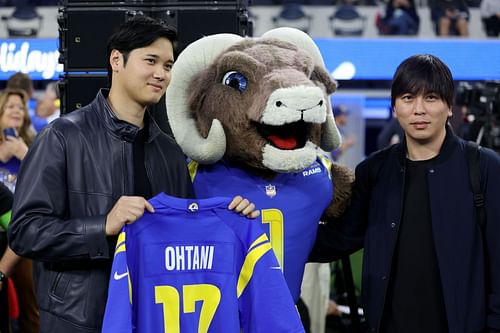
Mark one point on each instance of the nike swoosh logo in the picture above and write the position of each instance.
(119, 276)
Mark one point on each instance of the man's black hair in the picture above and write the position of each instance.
(139, 31)
(422, 74)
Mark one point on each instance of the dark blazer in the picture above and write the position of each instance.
(73, 174)
(372, 221)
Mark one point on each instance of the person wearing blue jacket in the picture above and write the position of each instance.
(428, 266)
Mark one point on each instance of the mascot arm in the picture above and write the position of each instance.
(343, 179)
(344, 227)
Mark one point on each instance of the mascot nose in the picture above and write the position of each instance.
(280, 103)
(320, 103)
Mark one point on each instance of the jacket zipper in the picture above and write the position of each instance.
(148, 171)
(388, 279)
(125, 166)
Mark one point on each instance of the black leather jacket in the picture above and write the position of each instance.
(71, 177)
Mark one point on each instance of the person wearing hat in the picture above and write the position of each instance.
(341, 114)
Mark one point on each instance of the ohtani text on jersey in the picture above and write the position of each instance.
(189, 257)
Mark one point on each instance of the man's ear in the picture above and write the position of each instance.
(115, 60)
(394, 113)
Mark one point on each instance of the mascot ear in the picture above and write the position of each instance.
(321, 75)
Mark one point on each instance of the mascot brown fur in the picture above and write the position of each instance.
(259, 107)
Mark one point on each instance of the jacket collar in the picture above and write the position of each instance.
(449, 144)
(118, 127)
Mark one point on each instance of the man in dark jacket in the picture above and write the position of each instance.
(413, 212)
(89, 172)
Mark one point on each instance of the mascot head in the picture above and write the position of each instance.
(260, 102)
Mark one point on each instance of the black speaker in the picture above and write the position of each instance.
(77, 90)
(84, 33)
(193, 23)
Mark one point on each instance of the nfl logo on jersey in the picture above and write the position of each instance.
(270, 191)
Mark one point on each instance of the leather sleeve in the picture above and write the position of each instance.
(41, 227)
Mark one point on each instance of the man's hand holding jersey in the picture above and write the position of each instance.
(129, 209)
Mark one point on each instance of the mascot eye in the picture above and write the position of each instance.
(235, 80)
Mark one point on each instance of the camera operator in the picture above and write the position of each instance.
(481, 104)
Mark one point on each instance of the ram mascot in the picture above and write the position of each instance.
(252, 115)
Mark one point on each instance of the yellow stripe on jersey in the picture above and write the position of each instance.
(120, 248)
(249, 265)
(121, 239)
(327, 163)
(261, 239)
(193, 168)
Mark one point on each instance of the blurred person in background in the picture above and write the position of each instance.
(490, 15)
(17, 133)
(23, 82)
(390, 134)
(315, 294)
(47, 107)
(13, 148)
(401, 18)
(451, 17)
(341, 114)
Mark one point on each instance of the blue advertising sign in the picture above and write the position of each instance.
(377, 59)
(346, 58)
(36, 57)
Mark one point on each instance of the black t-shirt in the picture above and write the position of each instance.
(142, 186)
(415, 300)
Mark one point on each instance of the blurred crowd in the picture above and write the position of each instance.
(401, 17)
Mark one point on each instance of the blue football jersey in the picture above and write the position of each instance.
(291, 206)
(194, 266)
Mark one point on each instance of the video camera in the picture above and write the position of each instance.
(483, 109)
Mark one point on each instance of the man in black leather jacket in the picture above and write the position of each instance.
(89, 172)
